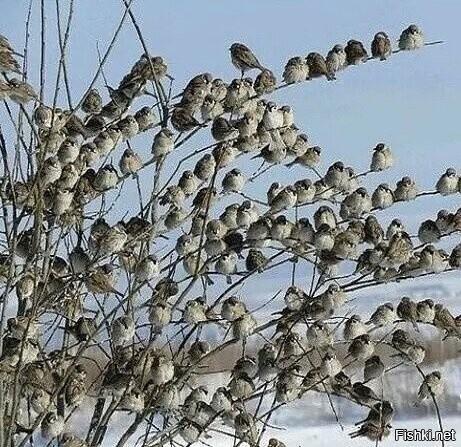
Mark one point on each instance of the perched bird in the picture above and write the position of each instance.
(382, 158)
(102, 280)
(296, 70)
(106, 178)
(361, 347)
(318, 66)
(20, 91)
(412, 38)
(381, 46)
(406, 189)
(163, 143)
(128, 126)
(68, 151)
(334, 176)
(188, 182)
(364, 394)
(354, 327)
(433, 260)
(429, 232)
(244, 326)
(8, 64)
(371, 431)
(399, 250)
(448, 183)
(265, 83)
(319, 335)
(330, 365)
(432, 386)
(383, 315)
(373, 369)
(182, 120)
(256, 261)
(52, 425)
(426, 311)
(50, 171)
(243, 58)
(407, 311)
(130, 162)
(336, 59)
(146, 118)
(355, 52)
(70, 440)
(382, 197)
(233, 308)
(223, 130)
(310, 158)
(195, 311)
(92, 103)
(285, 199)
(205, 167)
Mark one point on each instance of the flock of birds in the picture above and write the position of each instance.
(141, 378)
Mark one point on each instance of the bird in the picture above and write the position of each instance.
(334, 176)
(354, 327)
(68, 151)
(318, 66)
(233, 308)
(325, 215)
(382, 158)
(429, 232)
(162, 370)
(128, 126)
(407, 311)
(223, 130)
(285, 199)
(205, 167)
(336, 59)
(371, 431)
(160, 314)
(243, 58)
(361, 347)
(146, 118)
(382, 197)
(319, 335)
(330, 366)
(68, 439)
(241, 386)
(8, 64)
(364, 394)
(355, 52)
(448, 183)
(163, 143)
(425, 311)
(211, 108)
(296, 70)
(411, 38)
(383, 315)
(52, 425)
(102, 280)
(381, 46)
(188, 182)
(130, 162)
(183, 121)
(432, 386)
(265, 83)
(256, 261)
(405, 190)
(373, 369)
(92, 103)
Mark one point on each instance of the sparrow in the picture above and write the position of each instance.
(324, 215)
(268, 370)
(174, 196)
(433, 260)
(399, 249)
(182, 120)
(382, 158)
(43, 117)
(211, 108)
(133, 400)
(383, 315)
(162, 370)
(381, 46)
(336, 59)
(94, 125)
(223, 130)
(265, 83)
(318, 335)
(272, 117)
(227, 265)
(305, 154)
(160, 314)
(62, 201)
(407, 311)
(188, 182)
(218, 89)
(68, 151)
(256, 261)
(189, 431)
(130, 162)
(406, 190)
(355, 204)
(76, 387)
(106, 178)
(303, 231)
(296, 70)
(244, 326)
(318, 67)
(429, 232)
(448, 183)
(432, 386)
(379, 414)
(425, 311)
(332, 298)
(354, 327)
(195, 311)
(364, 394)
(371, 431)
(330, 365)
(195, 92)
(8, 64)
(106, 141)
(50, 171)
(52, 425)
(204, 198)
(146, 118)
(19, 91)
(305, 191)
(247, 213)
(382, 197)
(281, 229)
(205, 167)
(233, 181)
(233, 308)
(241, 386)
(237, 100)
(361, 347)
(92, 103)
(412, 38)
(395, 227)
(129, 127)
(245, 365)
(289, 135)
(101, 280)
(147, 269)
(163, 143)
(243, 58)
(168, 398)
(198, 349)
(334, 176)
(355, 52)
(287, 198)
(373, 369)
(112, 240)
(445, 321)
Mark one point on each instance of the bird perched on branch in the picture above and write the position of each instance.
(243, 58)
(381, 46)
